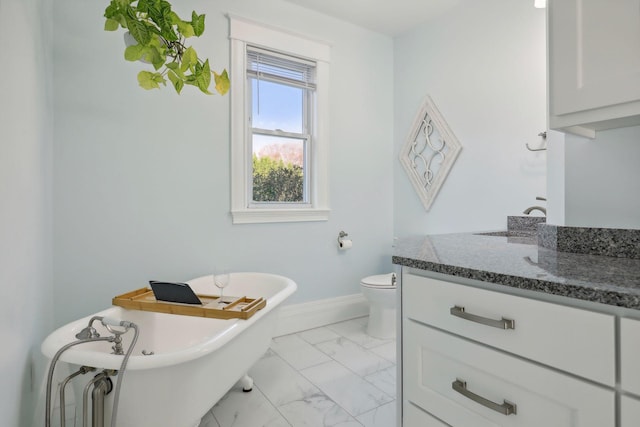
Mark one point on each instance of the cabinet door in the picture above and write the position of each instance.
(629, 412)
(630, 355)
(436, 363)
(594, 55)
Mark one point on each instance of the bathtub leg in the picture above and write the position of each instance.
(247, 383)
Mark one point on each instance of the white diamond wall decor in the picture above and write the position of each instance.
(429, 153)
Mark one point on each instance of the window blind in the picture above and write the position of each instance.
(267, 65)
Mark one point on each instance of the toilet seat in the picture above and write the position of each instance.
(379, 281)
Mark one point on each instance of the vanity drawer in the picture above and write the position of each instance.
(573, 340)
(434, 361)
(630, 355)
(414, 416)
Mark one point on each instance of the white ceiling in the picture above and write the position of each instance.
(390, 17)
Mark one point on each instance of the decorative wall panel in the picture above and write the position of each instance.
(429, 153)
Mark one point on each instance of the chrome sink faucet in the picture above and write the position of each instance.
(536, 208)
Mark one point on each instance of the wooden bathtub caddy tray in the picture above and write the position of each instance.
(237, 308)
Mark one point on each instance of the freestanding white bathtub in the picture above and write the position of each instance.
(195, 360)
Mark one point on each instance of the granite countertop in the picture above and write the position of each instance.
(518, 262)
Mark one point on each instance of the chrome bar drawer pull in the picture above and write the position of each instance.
(506, 408)
(500, 324)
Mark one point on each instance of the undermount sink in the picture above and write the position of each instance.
(520, 229)
(494, 233)
(526, 237)
(511, 233)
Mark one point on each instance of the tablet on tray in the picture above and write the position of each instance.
(174, 292)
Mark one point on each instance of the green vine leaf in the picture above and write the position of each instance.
(134, 52)
(186, 29)
(130, 13)
(178, 83)
(222, 82)
(203, 77)
(111, 25)
(153, 10)
(175, 67)
(197, 21)
(189, 59)
(111, 10)
(143, 6)
(156, 57)
(166, 26)
(139, 31)
(148, 80)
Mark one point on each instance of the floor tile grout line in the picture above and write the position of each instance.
(356, 373)
(383, 341)
(356, 343)
(351, 370)
(305, 377)
(343, 408)
(393, 397)
(353, 416)
(275, 406)
(298, 370)
(325, 393)
(315, 385)
(312, 343)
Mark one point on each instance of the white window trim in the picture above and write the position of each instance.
(242, 32)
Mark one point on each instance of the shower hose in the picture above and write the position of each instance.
(123, 365)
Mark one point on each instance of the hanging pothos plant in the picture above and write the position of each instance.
(159, 37)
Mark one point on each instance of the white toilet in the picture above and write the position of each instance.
(380, 291)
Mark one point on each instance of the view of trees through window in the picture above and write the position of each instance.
(278, 171)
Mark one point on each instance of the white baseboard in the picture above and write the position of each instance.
(308, 315)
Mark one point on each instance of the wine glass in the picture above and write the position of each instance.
(221, 278)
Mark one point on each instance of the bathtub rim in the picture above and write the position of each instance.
(233, 327)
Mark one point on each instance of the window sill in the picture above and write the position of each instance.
(255, 216)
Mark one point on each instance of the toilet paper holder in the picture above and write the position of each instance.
(344, 244)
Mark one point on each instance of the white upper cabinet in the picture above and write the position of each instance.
(594, 64)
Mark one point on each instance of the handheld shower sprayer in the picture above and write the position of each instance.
(109, 323)
(90, 332)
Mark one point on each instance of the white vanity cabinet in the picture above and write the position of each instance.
(594, 64)
(629, 411)
(473, 357)
(532, 329)
(630, 372)
(630, 356)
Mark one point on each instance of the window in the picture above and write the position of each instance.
(279, 147)
(280, 91)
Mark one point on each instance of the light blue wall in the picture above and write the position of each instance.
(25, 214)
(483, 64)
(141, 188)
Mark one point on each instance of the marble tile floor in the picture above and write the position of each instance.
(332, 376)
